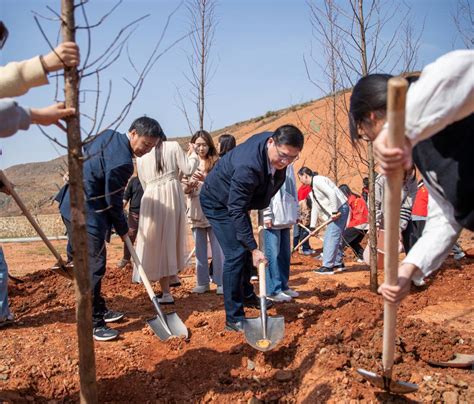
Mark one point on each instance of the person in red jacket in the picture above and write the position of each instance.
(358, 222)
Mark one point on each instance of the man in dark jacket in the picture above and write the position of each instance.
(107, 169)
(245, 178)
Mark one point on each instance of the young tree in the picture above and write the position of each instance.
(77, 137)
(463, 18)
(202, 16)
(364, 45)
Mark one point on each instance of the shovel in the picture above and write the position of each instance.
(461, 361)
(397, 88)
(61, 268)
(312, 234)
(264, 332)
(164, 325)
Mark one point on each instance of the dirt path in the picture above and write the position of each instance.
(334, 327)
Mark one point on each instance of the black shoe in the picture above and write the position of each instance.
(339, 268)
(237, 326)
(104, 333)
(324, 271)
(253, 302)
(112, 316)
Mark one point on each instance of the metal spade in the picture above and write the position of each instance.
(165, 325)
(264, 332)
(397, 88)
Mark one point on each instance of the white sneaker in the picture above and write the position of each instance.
(201, 289)
(280, 297)
(459, 256)
(254, 278)
(360, 261)
(319, 257)
(166, 299)
(419, 282)
(220, 290)
(291, 293)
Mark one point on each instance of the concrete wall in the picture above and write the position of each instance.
(19, 226)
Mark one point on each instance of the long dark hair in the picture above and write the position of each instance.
(345, 190)
(306, 170)
(211, 156)
(369, 95)
(226, 143)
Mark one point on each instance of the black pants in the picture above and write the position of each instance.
(97, 256)
(412, 233)
(352, 237)
(133, 219)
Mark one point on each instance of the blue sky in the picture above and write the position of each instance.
(257, 54)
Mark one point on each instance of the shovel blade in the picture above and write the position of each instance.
(173, 327)
(253, 332)
(460, 361)
(388, 384)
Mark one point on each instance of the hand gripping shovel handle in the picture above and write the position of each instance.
(312, 234)
(145, 281)
(33, 222)
(397, 88)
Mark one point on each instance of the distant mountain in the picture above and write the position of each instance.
(38, 183)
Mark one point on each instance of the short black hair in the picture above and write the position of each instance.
(289, 135)
(345, 189)
(369, 95)
(145, 126)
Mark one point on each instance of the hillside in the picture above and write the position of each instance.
(38, 183)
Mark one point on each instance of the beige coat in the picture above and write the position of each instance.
(161, 239)
(16, 78)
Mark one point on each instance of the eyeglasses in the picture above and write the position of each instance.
(284, 158)
(3, 34)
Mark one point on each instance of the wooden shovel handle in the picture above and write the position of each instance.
(396, 96)
(31, 219)
(141, 271)
(312, 233)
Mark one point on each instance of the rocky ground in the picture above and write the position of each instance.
(333, 328)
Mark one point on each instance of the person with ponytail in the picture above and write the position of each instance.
(328, 203)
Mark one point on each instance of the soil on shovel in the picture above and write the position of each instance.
(333, 328)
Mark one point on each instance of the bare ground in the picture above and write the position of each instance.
(333, 328)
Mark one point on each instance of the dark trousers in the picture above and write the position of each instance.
(299, 234)
(237, 258)
(132, 233)
(412, 233)
(97, 256)
(352, 238)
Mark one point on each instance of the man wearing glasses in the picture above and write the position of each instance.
(246, 178)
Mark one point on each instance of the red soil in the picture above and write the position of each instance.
(333, 328)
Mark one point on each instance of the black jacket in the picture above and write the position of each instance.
(241, 181)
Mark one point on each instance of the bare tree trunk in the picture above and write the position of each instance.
(372, 229)
(79, 231)
(370, 152)
(202, 84)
